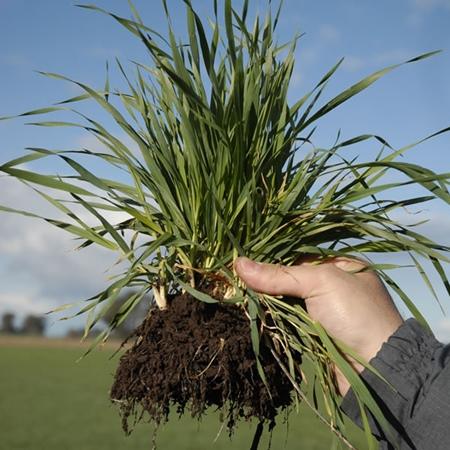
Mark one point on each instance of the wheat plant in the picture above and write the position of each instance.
(222, 165)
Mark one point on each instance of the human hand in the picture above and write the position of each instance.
(353, 307)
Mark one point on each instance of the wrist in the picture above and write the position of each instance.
(373, 346)
(367, 352)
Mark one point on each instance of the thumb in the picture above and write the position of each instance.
(275, 279)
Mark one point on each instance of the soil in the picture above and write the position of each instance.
(193, 356)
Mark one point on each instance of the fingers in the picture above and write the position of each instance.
(349, 264)
(345, 263)
(296, 281)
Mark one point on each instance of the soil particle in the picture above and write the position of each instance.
(193, 356)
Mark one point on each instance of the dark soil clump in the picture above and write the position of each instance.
(195, 355)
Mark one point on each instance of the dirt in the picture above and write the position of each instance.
(194, 356)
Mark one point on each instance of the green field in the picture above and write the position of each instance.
(50, 402)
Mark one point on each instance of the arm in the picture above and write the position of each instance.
(356, 308)
(418, 368)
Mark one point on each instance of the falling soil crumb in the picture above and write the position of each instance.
(193, 356)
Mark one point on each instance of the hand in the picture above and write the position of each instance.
(353, 307)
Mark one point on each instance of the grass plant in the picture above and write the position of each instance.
(223, 165)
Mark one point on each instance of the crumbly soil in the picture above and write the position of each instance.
(193, 356)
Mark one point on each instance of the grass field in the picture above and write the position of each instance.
(50, 402)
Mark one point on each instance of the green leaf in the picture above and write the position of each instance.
(207, 159)
(194, 292)
(363, 394)
(44, 180)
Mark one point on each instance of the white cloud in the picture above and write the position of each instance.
(353, 63)
(90, 142)
(329, 33)
(421, 8)
(23, 303)
(308, 56)
(38, 267)
(326, 34)
(442, 330)
(436, 227)
(393, 56)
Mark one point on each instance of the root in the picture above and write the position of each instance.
(195, 355)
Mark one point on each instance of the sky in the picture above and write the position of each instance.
(39, 269)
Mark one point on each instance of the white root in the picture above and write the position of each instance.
(160, 296)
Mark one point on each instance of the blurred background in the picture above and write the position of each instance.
(40, 271)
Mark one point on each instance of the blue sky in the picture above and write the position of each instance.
(37, 267)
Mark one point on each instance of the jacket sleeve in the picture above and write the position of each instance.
(417, 404)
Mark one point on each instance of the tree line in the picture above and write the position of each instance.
(33, 325)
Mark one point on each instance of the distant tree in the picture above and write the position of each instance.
(133, 320)
(8, 326)
(75, 333)
(33, 325)
(78, 333)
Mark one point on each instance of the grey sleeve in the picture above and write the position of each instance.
(418, 408)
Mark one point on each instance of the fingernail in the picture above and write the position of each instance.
(245, 264)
